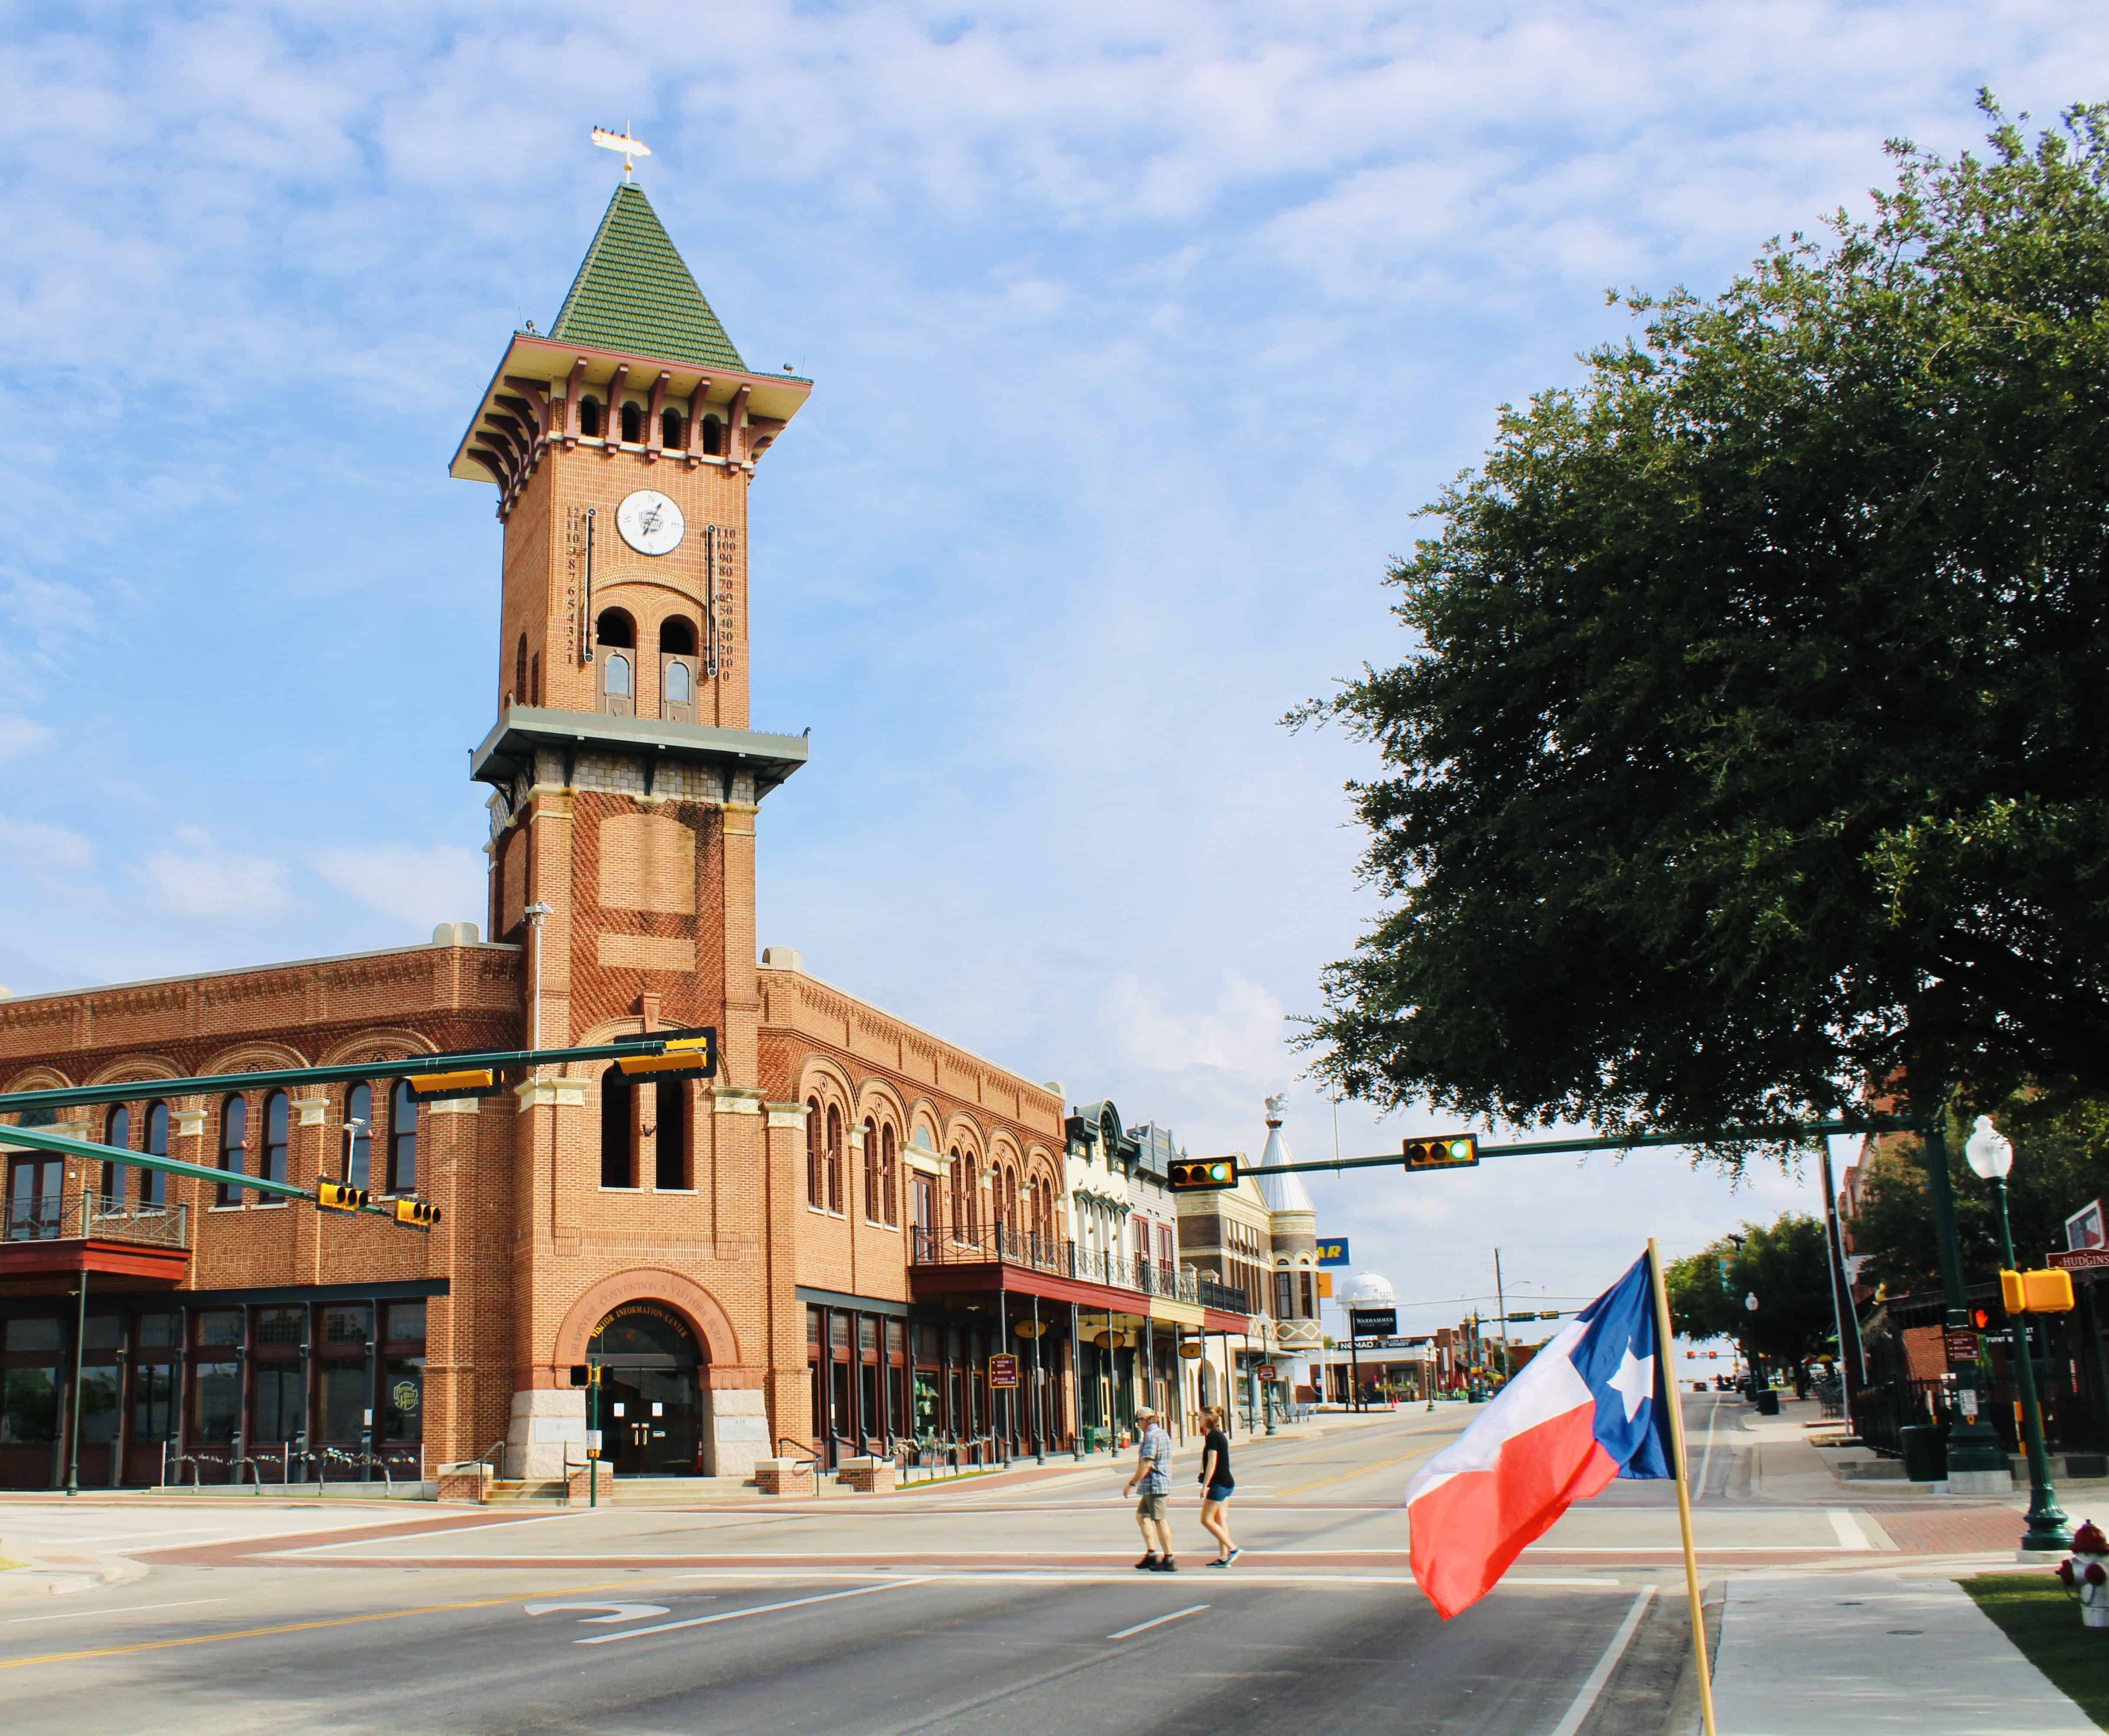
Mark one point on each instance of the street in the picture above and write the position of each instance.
(1007, 1604)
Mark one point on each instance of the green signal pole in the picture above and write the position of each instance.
(592, 1426)
(1974, 1451)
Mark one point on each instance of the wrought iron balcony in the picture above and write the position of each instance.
(89, 1232)
(1000, 1243)
(1226, 1298)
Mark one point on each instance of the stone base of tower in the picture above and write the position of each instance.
(547, 1434)
(735, 1430)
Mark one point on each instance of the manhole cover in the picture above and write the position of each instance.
(1908, 1633)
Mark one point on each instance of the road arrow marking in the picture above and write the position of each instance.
(615, 1611)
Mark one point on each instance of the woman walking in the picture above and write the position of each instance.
(1216, 1487)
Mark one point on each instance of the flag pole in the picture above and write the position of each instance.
(1683, 1489)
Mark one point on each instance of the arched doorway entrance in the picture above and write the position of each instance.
(650, 1403)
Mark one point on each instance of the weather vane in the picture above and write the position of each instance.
(621, 142)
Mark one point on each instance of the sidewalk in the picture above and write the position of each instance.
(47, 1570)
(1868, 1653)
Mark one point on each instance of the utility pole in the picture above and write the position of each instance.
(1500, 1303)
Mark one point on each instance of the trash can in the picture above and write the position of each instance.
(1925, 1452)
(1768, 1402)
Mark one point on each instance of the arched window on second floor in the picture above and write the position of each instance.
(633, 424)
(589, 418)
(816, 1187)
(671, 1143)
(834, 1177)
(402, 1140)
(889, 1175)
(871, 1177)
(518, 695)
(618, 1139)
(677, 669)
(233, 1143)
(616, 635)
(671, 430)
(117, 1177)
(713, 436)
(154, 1183)
(277, 1137)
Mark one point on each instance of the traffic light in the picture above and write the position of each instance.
(1452, 1151)
(1202, 1174)
(334, 1195)
(440, 1088)
(1981, 1318)
(418, 1214)
(693, 1052)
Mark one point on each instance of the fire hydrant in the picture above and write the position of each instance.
(2087, 1573)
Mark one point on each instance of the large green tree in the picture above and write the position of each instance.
(1751, 746)
(1782, 1265)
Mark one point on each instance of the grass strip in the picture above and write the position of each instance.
(2042, 1618)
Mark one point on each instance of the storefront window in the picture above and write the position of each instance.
(344, 1400)
(281, 1325)
(280, 1401)
(219, 1389)
(98, 1404)
(345, 1325)
(926, 1402)
(219, 1326)
(403, 1399)
(103, 1331)
(154, 1401)
(28, 1406)
(160, 1331)
(406, 1323)
(31, 1334)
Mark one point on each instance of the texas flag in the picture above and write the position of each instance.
(1590, 1406)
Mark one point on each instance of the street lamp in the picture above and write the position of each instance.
(1991, 1156)
(1750, 1344)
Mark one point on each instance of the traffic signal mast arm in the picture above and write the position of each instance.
(125, 1091)
(1873, 1124)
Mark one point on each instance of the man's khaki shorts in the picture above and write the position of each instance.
(1150, 1507)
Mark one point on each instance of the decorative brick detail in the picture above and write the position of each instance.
(867, 1476)
(469, 1482)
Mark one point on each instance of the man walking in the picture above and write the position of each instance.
(1152, 1474)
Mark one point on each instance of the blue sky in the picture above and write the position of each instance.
(1140, 332)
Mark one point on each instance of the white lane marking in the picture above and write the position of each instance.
(1850, 1536)
(737, 1614)
(1144, 1626)
(1706, 1463)
(172, 1530)
(615, 1611)
(128, 1609)
(416, 1536)
(1585, 1702)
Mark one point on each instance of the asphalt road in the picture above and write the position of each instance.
(1007, 1606)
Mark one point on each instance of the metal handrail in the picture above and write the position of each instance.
(811, 1456)
(90, 1214)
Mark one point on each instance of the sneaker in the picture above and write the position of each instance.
(1167, 1564)
(1220, 1561)
(1235, 1553)
(1148, 1564)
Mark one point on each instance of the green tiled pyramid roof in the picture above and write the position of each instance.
(634, 293)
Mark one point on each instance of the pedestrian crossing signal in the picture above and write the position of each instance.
(334, 1195)
(418, 1214)
(1203, 1174)
(1452, 1151)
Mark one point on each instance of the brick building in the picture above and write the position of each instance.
(824, 1243)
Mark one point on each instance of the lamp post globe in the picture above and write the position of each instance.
(1991, 1156)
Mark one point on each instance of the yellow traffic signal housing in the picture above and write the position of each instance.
(1202, 1174)
(2040, 1291)
(1451, 1152)
(691, 1053)
(418, 1214)
(436, 1088)
(334, 1195)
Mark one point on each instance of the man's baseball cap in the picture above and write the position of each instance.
(1142, 1411)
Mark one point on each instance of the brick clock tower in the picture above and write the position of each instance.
(625, 785)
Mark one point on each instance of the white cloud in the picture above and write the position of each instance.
(33, 847)
(20, 735)
(1240, 1035)
(200, 880)
(417, 887)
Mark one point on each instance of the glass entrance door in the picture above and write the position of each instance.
(650, 1398)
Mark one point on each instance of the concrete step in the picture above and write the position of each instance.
(514, 1492)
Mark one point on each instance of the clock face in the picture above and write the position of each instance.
(650, 523)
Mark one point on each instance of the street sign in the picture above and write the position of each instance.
(1325, 1287)
(2081, 1260)
(1373, 1322)
(1268, 1372)
(2088, 1227)
(1962, 1346)
(1333, 1253)
(1003, 1371)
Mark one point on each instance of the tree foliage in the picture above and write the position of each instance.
(1752, 746)
(1782, 1265)
(2060, 1162)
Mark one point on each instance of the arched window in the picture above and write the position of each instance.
(589, 418)
(834, 1158)
(535, 679)
(679, 692)
(618, 1143)
(677, 669)
(670, 430)
(871, 1181)
(633, 424)
(359, 1131)
(615, 627)
(616, 685)
(816, 1188)
(713, 436)
(154, 1183)
(402, 1140)
(117, 1177)
(970, 1191)
(519, 695)
(671, 1114)
(677, 636)
(957, 1178)
(889, 1176)
(276, 1137)
(233, 1138)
